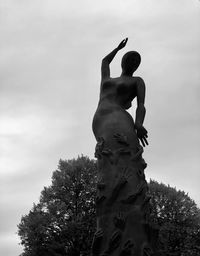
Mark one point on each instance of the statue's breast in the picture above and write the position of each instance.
(123, 92)
(108, 85)
(114, 85)
(123, 89)
(126, 91)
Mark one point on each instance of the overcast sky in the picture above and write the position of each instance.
(51, 52)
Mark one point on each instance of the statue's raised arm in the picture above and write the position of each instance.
(105, 69)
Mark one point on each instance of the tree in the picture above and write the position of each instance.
(64, 220)
(178, 219)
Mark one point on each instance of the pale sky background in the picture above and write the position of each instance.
(51, 52)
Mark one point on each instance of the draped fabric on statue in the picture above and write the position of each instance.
(122, 204)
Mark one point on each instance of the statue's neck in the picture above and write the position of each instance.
(124, 73)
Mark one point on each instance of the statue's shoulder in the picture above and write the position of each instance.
(138, 79)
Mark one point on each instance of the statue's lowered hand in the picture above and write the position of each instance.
(122, 44)
(142, 135)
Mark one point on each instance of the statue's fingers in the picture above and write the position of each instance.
(145, 140)
(143, 144)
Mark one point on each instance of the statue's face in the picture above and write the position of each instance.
(130, 61)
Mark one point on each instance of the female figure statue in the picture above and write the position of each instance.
(122, 192)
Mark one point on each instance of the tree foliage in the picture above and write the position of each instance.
(178, 219)
(63, 222)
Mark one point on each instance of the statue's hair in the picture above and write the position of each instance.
(131, 61)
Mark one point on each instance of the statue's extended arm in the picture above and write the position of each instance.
(140, 113)
(105, 70)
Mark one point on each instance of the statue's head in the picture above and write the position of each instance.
(130, 62)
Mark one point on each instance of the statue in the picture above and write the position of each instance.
(122, 203)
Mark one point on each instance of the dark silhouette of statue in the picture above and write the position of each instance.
(122, 203)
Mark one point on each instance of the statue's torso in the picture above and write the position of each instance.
(118, 91)
(116, 96)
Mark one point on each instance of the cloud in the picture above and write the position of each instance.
(7, 240)
(50, 62)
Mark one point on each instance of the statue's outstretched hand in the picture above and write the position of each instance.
(142, 135)
(122, 44)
